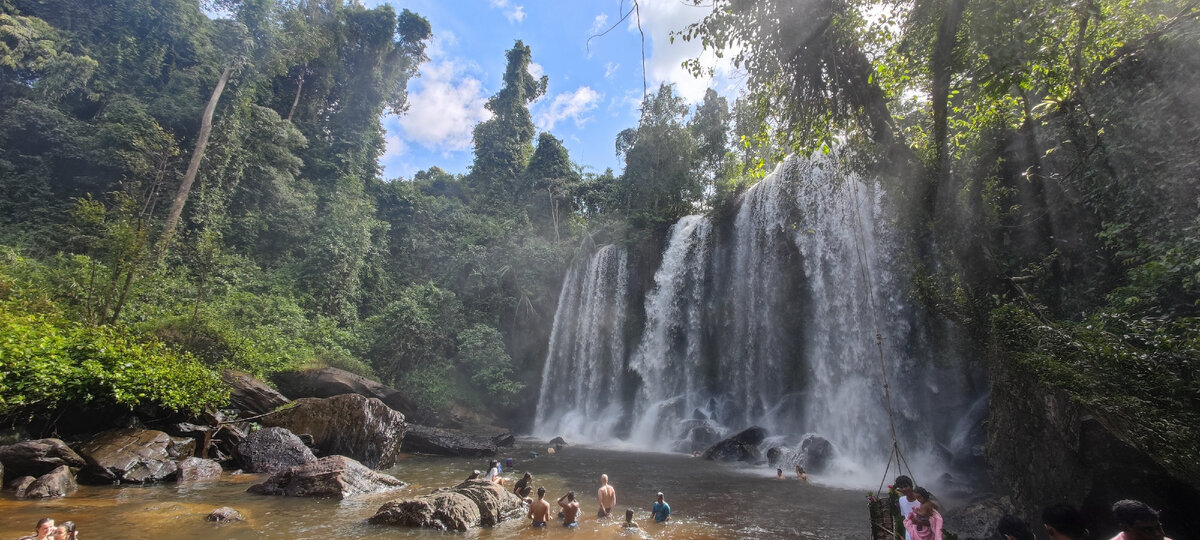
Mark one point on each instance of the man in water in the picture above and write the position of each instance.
(908, 499)
(570, 509)
(661, 510)
(539, 510)
(1137, 521)
(42, 531)
(607, 496)
(524, 486)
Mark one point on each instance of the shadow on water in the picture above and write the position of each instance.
(708, 500)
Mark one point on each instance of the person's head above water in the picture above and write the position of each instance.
(628, 515)
(542, 492)
(659, 496)
(44, 526)
(604, 479)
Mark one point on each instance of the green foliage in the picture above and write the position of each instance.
(48, 361)
(415, 331)
(1137, 373)
(481, 353)
(660, 183)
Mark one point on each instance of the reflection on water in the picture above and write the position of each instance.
(708, 500)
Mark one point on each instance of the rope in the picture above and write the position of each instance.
(859, 247)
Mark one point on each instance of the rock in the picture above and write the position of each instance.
(773, 456)
(52, 485)
(740, 447)
(194, 469)
(224, 514)
(977, 520)
(331, 476)
(181, 447)
(814, 454)
(329, 381)
(468, 505)
(505, 440)
(445, 442)
(127, 456)
(558, 441)
(495, 503)
(349, 425)
(752, 435)
(37, 457)
(272, 449)
(20, 485)
(225, 440)
(698, 438)
(444, 511)
(250, 395)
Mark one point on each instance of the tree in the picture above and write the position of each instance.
(710, 128)
(550, 179)
(660, 161)
(503, 143)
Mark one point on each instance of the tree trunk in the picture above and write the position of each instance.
(189, 177)
(299, 87)
(943, 52)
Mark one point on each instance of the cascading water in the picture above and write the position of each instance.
(669, 359)
(766, 319)
(580, 395)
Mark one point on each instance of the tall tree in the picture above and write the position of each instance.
(550, 180)
(660, 174)
(503, 143)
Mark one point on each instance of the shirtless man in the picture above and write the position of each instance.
(570, 509)
(608, 498)
(539, 510)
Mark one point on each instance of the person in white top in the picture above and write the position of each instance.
(908, 499)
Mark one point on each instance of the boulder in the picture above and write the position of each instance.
(127, 456)
(814, 454)
(740, 447)
(698, 437)
(223, 444)
(224, 514)
(194, 469)
(558, 441)
(52, 485)
(504, 440)
(468, 505)
(272, 449)
(20, 485)
(338, 477)
(329, 381)
(37, 457)
(181, 447)
(977, 520)
(495, 503)
(445, 442)
(350, 425)
(249, 395)
(444, 511)
(773, 456)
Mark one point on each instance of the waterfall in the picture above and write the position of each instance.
(669, 359)
(580, 394)
(767, 317)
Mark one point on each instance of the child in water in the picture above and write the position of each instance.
(629, 522)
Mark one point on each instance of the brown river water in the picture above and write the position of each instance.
(708, 500)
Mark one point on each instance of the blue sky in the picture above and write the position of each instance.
(592, 94)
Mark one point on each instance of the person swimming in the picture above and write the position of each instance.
(539, 510)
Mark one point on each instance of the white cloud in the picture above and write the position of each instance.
(514, 14)
(658, 19)
(600, 24)
(536, 70)
(444, 107)
(610, 69)
(394, 148)
(572, 105)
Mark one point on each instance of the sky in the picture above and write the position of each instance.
(594, 91)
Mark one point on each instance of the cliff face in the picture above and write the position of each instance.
(1043, 449)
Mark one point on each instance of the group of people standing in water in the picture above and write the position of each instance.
(569, 508)
(47, 530)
